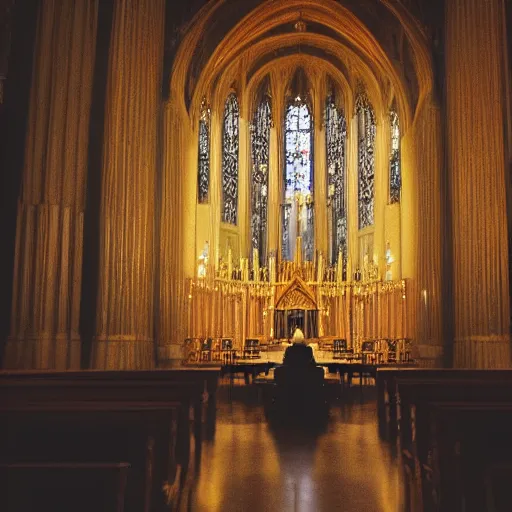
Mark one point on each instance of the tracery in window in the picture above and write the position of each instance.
(366, 160)
(336, 136)
(298, 178)
(395, 178)
(260, 145)
(230, 146)
(203, 171)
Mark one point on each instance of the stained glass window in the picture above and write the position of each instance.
(366, 160)
(298, 178)
(395, 178)
(260, 143)
(299, 170)
(230, 145)
(336, 136)
(203, 173)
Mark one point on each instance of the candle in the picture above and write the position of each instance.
(230, 264)
(339, 267)
(256, 264)
(272, 269)
(320, 268)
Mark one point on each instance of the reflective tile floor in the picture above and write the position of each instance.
(250, 467)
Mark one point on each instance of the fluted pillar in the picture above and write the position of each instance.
(476, 165)
(49, 236)
(422, 232)
(320, 174)
(177, 259)
(124, 321)
(275, 178)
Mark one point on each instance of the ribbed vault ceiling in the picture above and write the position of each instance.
(374, 41)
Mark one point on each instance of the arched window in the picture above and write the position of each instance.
(230, 145)
(366, 160)
(298, 180)
(203, 172)
(260, 145)
(336, 136)
(395, 178)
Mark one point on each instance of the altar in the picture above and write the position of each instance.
(254, 314)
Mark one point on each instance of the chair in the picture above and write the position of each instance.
(341, 351)
(368, 351)
(192, 350)
(391, 351)
(206, 350)
(216, 352)
(227, 354)
(251, 349)
(403, 350)
(226, 344)
(300, 394)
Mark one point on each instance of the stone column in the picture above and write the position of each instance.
(48, 254)
(244, 176)
(176, 226)
(422, 232)
(382, 144)
(124, 321)
(352, 193)
(275, 177)
(320, 169)
(476, 166)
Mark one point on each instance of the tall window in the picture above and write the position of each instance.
(298, 178)
(230, 145)
(395, 178)
(366, 160)
(336, 136)
(260, 143)
(203, 173)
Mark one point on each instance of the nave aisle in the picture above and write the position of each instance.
(247, 467)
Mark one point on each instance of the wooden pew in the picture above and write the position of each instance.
(36, 432)
(195, 383)
(59, 485)
(387, 399)
(180, 388)
(416, 392)
(471, 457)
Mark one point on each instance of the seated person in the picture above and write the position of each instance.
(298, 334)
(299, 354)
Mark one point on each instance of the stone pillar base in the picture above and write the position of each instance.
(428, 356)
(43, 353)
(171, 355)
(482, 352)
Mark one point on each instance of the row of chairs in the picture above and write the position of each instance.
(219, 350)
(376, 351)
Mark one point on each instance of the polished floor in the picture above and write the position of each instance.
(250, 467)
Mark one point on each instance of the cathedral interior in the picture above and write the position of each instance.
(198, 186)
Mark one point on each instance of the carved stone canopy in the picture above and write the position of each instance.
(297, 295)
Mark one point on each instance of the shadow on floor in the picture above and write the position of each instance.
(250, 466)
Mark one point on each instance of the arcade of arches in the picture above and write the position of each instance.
(185, 170)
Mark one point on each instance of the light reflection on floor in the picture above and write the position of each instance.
(247, 467)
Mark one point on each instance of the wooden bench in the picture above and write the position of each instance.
(96, 432)
(59, 484)
(412, 400)
(195, 384)
(387, 399)
(113, 392)
(471, 457)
